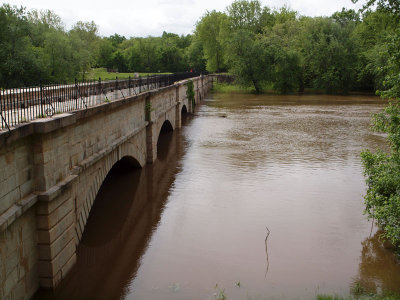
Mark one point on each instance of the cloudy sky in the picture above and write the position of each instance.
(152, 17)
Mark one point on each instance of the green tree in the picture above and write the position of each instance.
(372, 37)
(84, 40)
(195, 55)
(105, 53)
(283, 36)
(209, 31)
(246, 15)
(116, 39)
(20, 61)
(250, 59)
(329, 55)
(59, 58)
(287, 71)
(392, 79)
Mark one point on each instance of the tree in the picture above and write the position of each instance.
(58, 51)
(250, 59)
(209, 31)
(391, 7)
(246, 15)
(372, 38)
(19, 59)
(329, 55)
(195, 55)
(116, 39)
(392, 82)
(287, 71)
(284, 36)
(105, 53)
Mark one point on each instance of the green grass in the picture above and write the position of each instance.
(236, 88)
(94, 74)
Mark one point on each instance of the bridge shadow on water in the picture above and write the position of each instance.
(125, 213)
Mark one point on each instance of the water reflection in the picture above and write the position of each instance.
(126, 210)
(378, 270)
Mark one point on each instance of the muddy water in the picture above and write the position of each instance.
(256, 197)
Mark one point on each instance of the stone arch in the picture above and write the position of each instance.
(112, 202)
(90, 188)
(164, 140)
(166, 126)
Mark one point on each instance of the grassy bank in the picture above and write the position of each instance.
(94, 74)
(269, 89)
(236, 88)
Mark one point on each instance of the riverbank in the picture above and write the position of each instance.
(269, 89)
(236, 88)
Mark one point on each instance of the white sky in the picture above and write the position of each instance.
(152, 17)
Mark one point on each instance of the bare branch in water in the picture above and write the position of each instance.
(266, 250)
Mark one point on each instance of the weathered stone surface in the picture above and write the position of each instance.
(19, 258)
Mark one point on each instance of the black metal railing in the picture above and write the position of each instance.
(20, 105)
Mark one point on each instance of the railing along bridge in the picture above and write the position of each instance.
(21, 105)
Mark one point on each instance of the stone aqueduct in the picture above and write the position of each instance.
(51, 170)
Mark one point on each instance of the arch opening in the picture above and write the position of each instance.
(184, 110)
(164, 140)
(166, 127)
(113, 200)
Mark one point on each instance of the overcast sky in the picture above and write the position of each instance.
(152, 17)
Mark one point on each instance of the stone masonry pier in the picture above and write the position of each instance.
(52, 168)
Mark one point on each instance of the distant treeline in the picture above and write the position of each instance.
(349, 50)
(35, 47)
(262, 47)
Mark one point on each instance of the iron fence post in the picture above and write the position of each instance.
(116, 88)
(76, 93)
(100, 89)
(129, 85)
(41, 99)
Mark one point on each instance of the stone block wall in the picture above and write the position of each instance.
(16, 173)
(19, 258)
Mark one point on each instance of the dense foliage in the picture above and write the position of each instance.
(382, 170)
(347, 51)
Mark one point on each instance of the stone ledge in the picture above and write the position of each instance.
(45, 125)
(57, 189)
(19, 208)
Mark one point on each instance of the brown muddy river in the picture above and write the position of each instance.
(195, 224)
